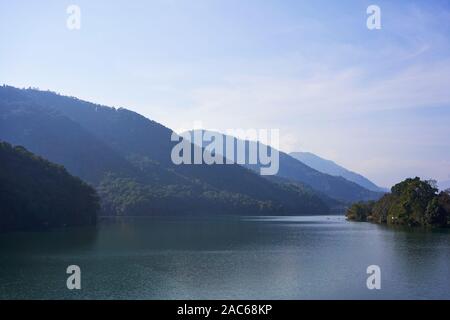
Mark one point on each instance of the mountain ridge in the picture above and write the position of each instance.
(292, 169)
(135, 174)
(330, 167)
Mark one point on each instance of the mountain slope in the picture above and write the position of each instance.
(331, 168)
(127, 157)
(53, 136)
(36, 194)
(289, 168)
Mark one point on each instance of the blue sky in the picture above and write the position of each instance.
(377, 102)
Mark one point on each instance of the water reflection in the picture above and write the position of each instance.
(227, 258)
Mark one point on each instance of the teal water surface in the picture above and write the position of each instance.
(322, 257)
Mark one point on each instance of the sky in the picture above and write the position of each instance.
(374, 101)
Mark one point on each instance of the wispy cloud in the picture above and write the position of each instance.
(371, 100)
(347, 91)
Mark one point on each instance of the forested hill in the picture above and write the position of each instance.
(127, 158)
(412, 202)
(37, 194)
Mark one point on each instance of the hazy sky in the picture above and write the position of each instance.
(377, 102)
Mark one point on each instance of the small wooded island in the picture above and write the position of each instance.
(413, 202)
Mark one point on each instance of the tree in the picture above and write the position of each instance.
(433, 183)
(444, 202)
(411, 198)
(435, 213)
(360, 211)
(381, 209)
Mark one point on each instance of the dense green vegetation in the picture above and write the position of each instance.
(37, 194)
(412, 202)
(126, 157)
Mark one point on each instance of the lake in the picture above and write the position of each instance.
(321, 257)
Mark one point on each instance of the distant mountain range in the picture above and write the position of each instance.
(126, 157)
(330, 167)
(293, 170)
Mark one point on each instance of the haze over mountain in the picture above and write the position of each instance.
(332, 168)
(291, 169)
(127, 158)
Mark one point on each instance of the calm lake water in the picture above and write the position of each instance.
(227, 258)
